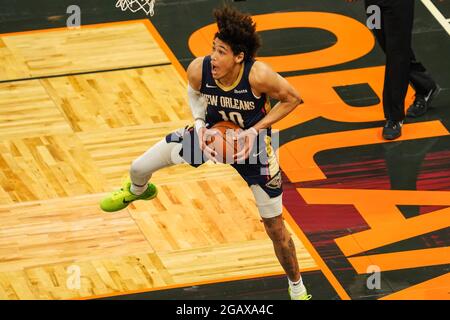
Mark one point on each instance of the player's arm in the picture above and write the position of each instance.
(198, 104)
(264, 80)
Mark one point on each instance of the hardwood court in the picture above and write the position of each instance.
(76, 107)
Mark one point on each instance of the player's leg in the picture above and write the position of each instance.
(283, 245)
(262, 173)
(163, 154)
(424, 85)
(270, 210)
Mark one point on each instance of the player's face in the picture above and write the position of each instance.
(223, 60)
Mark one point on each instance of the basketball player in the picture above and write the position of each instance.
(229, 85)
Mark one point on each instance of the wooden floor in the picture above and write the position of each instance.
(67, 140)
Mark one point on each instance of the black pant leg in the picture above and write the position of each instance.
(398, 16)
(394, 37)
(420, 79)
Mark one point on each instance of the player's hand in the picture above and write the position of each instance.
(205, 135)
(246, 139)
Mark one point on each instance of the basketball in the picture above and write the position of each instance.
(223, 143)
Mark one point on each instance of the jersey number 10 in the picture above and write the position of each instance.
(234, 117)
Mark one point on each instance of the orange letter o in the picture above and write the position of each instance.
(354, 40)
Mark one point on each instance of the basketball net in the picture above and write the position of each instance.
(135, 5)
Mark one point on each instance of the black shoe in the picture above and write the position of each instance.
(392, 130)
(422, 103)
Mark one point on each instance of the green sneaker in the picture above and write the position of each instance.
(120, 199)
(303, 296)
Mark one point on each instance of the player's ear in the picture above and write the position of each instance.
(239, 58)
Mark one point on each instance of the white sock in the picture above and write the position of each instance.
(297, 287)
(136, 190)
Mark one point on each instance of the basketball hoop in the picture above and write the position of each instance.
(135, 5)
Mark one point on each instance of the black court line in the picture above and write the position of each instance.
(265, 288)
(86, 72)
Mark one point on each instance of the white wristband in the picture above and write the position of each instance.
(198, 124)
(254, 130)
(197, 103)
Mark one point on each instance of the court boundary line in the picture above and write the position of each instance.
(195, 283)
(87, 72)
(445, 22)
(334, 282)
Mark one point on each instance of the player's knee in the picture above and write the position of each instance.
(137, 168)
(276, 230)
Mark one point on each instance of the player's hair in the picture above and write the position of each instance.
(238, 30)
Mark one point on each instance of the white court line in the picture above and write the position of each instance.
(438, 15)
